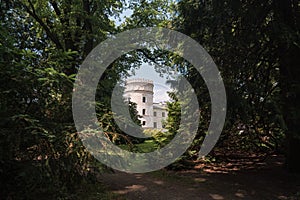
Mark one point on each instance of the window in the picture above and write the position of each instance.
(144, 123)
(154, 124)
(144, 111)
(163, 114)
(144, 99)
(154, 114)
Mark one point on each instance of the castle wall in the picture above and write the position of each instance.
(160, 114)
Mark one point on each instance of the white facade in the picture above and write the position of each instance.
(140, 91)
(160, 114)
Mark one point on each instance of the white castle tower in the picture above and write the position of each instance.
(140, 91)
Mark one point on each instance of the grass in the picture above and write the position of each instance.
(145, 147)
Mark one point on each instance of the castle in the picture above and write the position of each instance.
(140, 91)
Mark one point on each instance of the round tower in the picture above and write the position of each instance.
(140, 91)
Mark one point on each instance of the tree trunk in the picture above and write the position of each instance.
(290, 78)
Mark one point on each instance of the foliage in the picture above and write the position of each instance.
(41, 50)
(159, 137)
(246, 44)
(174, 112)
(149, 13)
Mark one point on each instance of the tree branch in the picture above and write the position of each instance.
(53, 37)
(149, 57)
(88, 27)
(56, 9)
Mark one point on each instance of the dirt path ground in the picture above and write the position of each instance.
(270, 182)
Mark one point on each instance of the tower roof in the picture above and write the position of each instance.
(139, 80)
(139, 85)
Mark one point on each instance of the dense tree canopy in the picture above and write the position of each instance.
(42, 45)
(254, 45)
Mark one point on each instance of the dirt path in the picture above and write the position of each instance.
(267, 183)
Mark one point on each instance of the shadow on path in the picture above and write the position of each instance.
(271, 182)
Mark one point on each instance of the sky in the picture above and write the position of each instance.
(126, 13)
(160, 87)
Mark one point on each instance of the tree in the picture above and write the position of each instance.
(254, 48)
(42, 46)
(287, 35)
